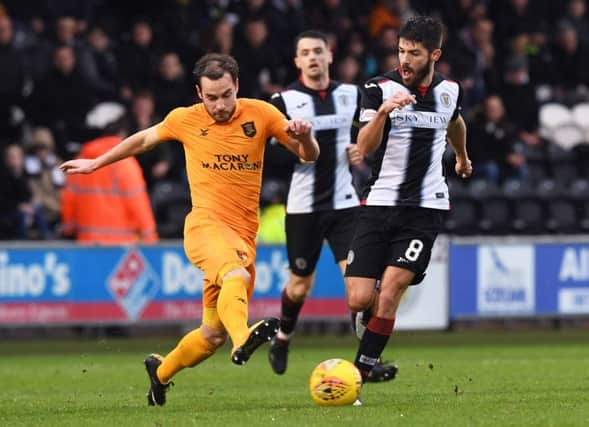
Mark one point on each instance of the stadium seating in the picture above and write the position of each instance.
(171, 204)
(553, 116)
(528, 211)
(463, 215)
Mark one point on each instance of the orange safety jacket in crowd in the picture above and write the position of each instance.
(111, 205)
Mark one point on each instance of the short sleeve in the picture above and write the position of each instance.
(458, 103)
(371, 100)
(356, 120)
(170, 128)
(275, 122)
(278, 101)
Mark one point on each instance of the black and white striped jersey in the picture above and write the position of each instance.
(407, 167)
(327, 183)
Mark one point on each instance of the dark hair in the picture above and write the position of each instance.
(214, 66)
(309, 34)
(425, 30)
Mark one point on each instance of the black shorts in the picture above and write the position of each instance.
(305, 234)
(393, 235)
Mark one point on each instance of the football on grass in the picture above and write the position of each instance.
(335, 382)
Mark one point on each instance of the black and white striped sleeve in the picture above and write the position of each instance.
(278, 101)
(371, 100)
(356, 120)
(458, 103)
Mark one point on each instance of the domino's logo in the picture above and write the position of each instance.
(133, 283)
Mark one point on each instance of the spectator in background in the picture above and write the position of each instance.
(45, 178)
(138, 58)
(13, 83)
(494, 151)
(570, 63)
(387, 41)
(471, 54)
(260, 66)
(19, 212)
(519, 98)
(575, 15)
(61, 101)
(66, 34)
(516, 17)
(106, 79)
(388, 61)
(110, 206)
(284, 19)
(348, 70)
(220, 37)
(459, 13)
(355, 46)
(171, 88)
(156, 163)
(332, 16)
(382, 15)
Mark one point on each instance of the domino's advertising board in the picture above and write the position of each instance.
(71, 285)
(531, 279)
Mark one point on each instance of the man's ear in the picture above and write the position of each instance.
(436, 54)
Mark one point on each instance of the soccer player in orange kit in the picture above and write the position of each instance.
(224, 139)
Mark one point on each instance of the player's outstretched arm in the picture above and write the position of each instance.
(370, 136)
(457, 139)
(303, 143)
(137, 143)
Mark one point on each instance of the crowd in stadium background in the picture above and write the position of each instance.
(60, 58)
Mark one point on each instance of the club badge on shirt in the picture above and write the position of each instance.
(249, 129)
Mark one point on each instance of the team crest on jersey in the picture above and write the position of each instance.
(249, 129)
(445, 99)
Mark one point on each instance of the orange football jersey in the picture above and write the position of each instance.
(224, 160)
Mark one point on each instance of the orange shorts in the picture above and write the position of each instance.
(216, 249)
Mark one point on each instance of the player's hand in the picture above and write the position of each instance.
(397, 102)
(463, 167)
(78, 166)
(354, 156)
(299, 129)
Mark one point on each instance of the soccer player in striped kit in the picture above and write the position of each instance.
(322, 202)
(407, 117)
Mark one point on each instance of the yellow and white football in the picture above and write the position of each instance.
(335, 382)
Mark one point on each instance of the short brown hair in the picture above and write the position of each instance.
(214, 66)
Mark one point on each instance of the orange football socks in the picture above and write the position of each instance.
(190, 351)
(232, 308)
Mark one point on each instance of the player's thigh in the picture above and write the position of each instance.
(413, 240)
(216, 249)
(369, 245)
(304, 239)
(340, 226)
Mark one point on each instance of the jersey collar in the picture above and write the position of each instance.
(300, 86)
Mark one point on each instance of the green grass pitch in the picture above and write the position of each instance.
(445, 379)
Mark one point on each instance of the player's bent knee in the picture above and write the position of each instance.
(358, 300)
(237, 272)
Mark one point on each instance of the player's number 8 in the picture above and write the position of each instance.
(414, 249)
